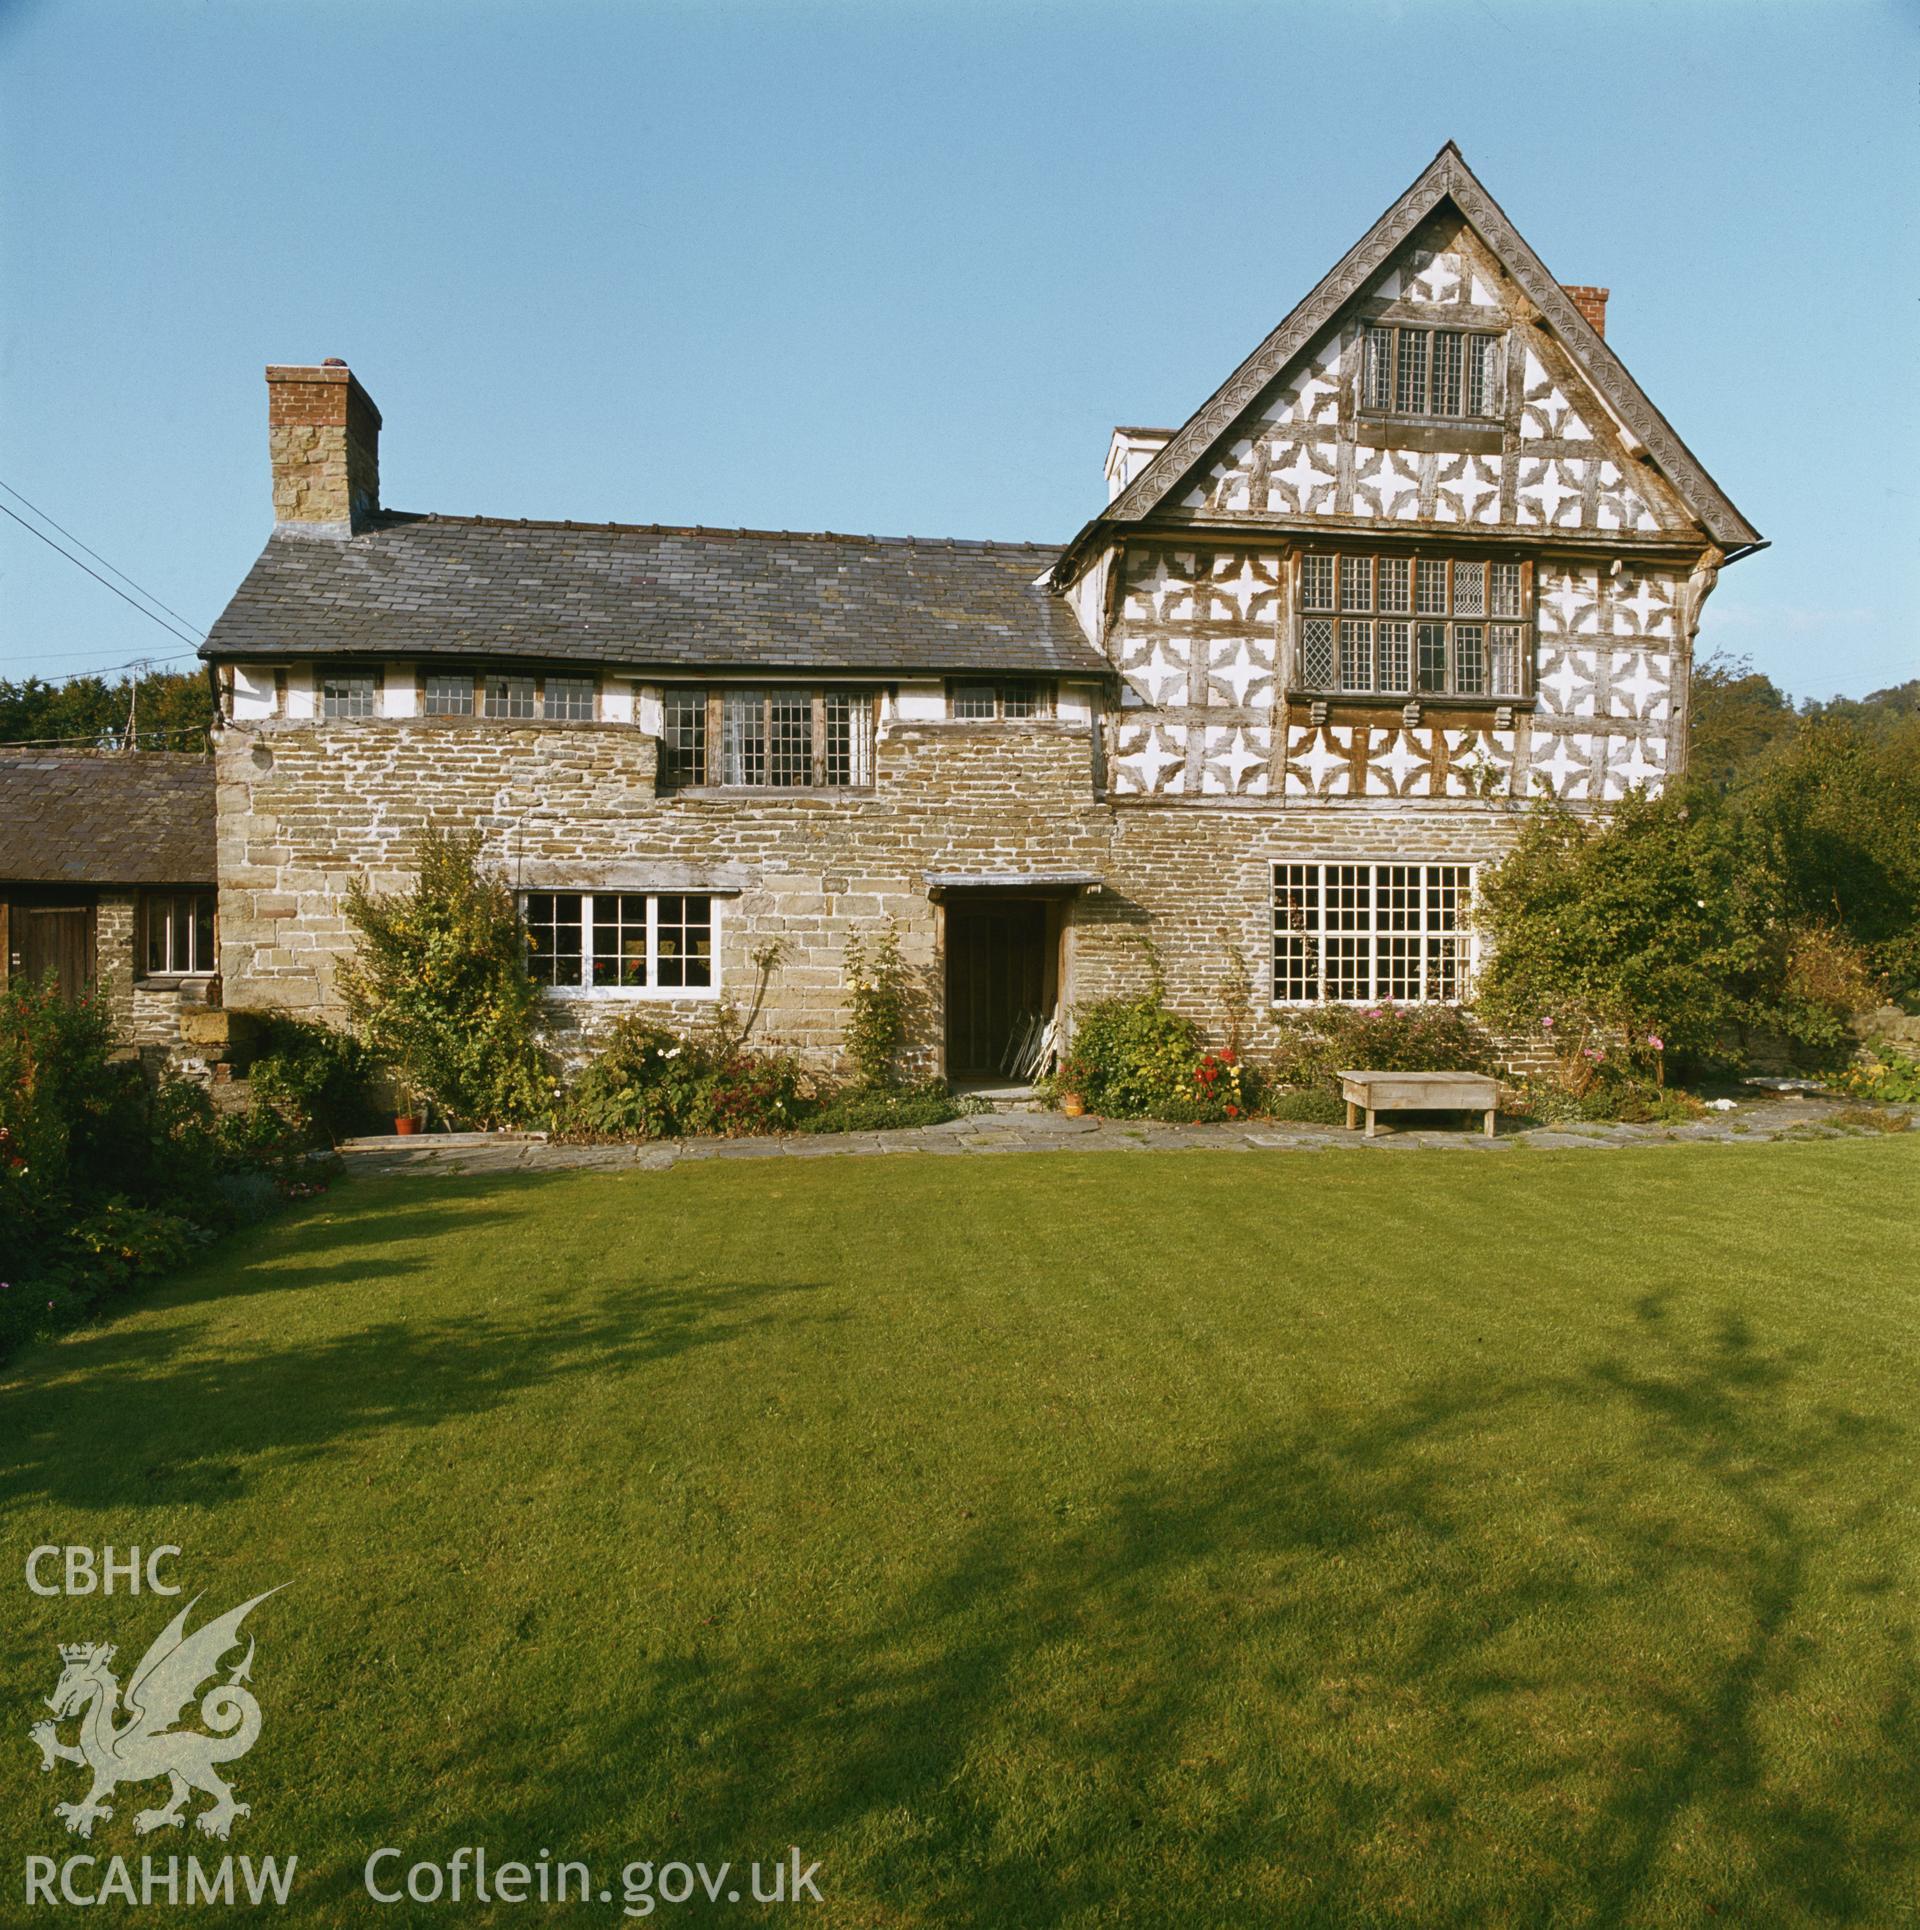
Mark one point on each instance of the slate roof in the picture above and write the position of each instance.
(105, 818)
(646, 596)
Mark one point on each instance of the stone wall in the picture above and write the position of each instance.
(306, 807)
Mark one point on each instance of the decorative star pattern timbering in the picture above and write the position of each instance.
(1302, 448)
(1197, 638)
(1197, 645)
(1605, 682)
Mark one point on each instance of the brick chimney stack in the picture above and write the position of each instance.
(1592, 303)
(323, 436)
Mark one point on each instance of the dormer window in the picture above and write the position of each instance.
(1448, 372)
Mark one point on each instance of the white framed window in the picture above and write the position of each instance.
(637, 944)
(1366, 932)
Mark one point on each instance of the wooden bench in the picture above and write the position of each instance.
(1376, 1092)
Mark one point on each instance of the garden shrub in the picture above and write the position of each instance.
(1130, 1057)
(648, 1082)
(1644, 924)
(318, 1080)
(440, 991)
(105, 1180)
(1316, 1047)
(1133, 1058)
(1885, 1075)
(878, 995)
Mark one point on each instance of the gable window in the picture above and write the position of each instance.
(1352, 933)
(1414, 626)
(348, 693)
(1012, 698)
(779, 738)
(179, 933)
(1430, 371)
(622, 941)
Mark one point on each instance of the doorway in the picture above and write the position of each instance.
(52, 938)
(997, 979)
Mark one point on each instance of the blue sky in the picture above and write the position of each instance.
(899, 269)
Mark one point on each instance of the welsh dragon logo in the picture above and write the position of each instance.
(147, 1744)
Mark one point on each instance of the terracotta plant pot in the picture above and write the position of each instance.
(405, 1123)
(1072, 1104)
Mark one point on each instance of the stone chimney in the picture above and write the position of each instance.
(323, 435)
(1591, 302)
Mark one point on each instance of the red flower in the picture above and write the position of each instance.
(1233, 1112)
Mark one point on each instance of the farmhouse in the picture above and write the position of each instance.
(1428, 555)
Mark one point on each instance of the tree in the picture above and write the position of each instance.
(175, 711)
(1736, 714)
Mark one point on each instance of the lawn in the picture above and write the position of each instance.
(1321, 1538)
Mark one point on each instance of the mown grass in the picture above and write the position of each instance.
(1334, 1538)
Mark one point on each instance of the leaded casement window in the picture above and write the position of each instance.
(986, 700)
(447, 694)
(349, 693)
(1418, 371)
(632, 942)
(1415, 626)
(511, 698)
(178, 933)
(1356, 933)
(774, 738)
(568, 700)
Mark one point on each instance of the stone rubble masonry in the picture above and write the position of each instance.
(147, 1014)
(323, 440)
(306, 807)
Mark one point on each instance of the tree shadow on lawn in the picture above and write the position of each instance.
(1361, 1669)
(164, 1412)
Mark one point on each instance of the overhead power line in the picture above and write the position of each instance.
(106, 670)
(101, 560)
(180, 636)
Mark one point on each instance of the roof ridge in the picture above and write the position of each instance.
(402, 517)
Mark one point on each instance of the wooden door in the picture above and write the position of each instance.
(996, 974)
(57, 939)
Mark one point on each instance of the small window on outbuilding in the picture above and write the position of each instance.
(177, 935)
